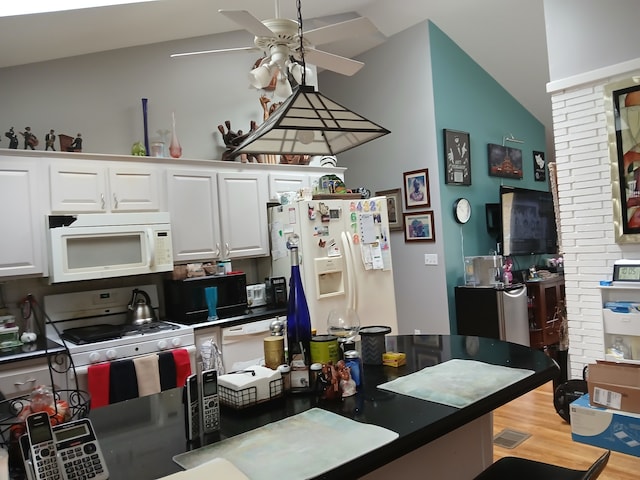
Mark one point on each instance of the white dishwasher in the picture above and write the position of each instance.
(243, 345)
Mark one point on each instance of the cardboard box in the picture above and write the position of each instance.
(394, 359)
(615, 385)
(605, 428)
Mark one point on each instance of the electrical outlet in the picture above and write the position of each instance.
(430, 258)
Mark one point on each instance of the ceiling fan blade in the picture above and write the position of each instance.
(340, 31)
(335, 63)
(224, 50)
(248, 22)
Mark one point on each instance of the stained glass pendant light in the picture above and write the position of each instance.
(308, 123)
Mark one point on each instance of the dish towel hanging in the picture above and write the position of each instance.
(98, 384)
(123, 383)
(167, 367)
(183, 366)
(147, 374)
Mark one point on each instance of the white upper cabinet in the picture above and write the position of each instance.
(286, 182)
(95, 187)
(243, 200)
(192, 201)
(22, 242)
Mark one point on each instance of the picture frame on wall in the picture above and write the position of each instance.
(416, 188)
(504, 161)
(419, 227)
(457, 157)
(622, 109)
(539, 167)
(394, 207)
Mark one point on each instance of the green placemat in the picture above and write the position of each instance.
(297, 447)
(456, 383)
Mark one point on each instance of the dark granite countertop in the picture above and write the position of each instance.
(250, 315)
(140, 437)
(40, 348)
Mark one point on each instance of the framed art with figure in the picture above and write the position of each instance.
(416, 188)
(622, 109)
(419, 227)
(394, 207)
(457, 158)
(504, 161)
(539, 167)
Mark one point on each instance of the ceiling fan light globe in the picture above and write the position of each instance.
(295, 69)
(283, 88)
(260, 77)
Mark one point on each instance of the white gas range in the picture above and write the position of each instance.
(93, 326)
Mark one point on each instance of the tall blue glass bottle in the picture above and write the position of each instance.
(298, 324)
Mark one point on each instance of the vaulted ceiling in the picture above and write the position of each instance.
(505, 37)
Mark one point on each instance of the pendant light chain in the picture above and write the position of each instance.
(301, 37)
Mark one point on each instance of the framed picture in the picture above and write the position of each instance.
(394, 207)
(622, 109)
(539, 167)
(416, 189)
(504, 161)
(419, 227)
(457, 158)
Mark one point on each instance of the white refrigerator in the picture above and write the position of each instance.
(345, 257)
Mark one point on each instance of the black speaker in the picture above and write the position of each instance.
(494, 219)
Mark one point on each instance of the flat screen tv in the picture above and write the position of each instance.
(528, 222)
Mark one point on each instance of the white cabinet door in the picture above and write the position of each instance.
(286, 182)
(22, 217)
(243, 214)
(192, 198)
(103, 187)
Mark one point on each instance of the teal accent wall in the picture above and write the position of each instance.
(468, 99)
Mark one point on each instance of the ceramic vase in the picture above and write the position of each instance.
(175, 150)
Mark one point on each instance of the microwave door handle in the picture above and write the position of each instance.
(152, 247)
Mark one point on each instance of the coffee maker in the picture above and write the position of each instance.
(276, 291)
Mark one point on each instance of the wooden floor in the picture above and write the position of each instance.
(550, 439)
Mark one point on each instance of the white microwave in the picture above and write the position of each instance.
(103, 245)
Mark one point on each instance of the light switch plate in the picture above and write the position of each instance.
(431, 259)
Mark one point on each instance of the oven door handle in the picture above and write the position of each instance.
(84, 369)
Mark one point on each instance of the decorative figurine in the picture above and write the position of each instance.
(13, 139)
(30, 140)
(49, 140)
(76, 145)
(232, 139)
(138, 149)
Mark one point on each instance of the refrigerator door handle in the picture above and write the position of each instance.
(349, 271)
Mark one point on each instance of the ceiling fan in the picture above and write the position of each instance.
(280, 39)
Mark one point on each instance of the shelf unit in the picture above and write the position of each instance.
(546, 299)
(621, 330)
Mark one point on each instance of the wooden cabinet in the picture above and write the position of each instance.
(192, 201)
(243, 201)
(22, 242)
(217, 215)
(546, 299)
(103, 187)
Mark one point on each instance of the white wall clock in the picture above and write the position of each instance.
(462, 210)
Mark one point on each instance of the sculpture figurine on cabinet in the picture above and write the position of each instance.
(13, 138)
(232, 139)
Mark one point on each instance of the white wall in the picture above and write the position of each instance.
(100, 95)
(399, 95)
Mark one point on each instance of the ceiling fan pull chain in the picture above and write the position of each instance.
(301, 37)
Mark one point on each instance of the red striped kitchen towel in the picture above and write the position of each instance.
(183, 366)
(98, 384)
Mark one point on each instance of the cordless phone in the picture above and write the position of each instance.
(210, 402)
(43, 447)
(192, 408)
(25, 448)
(66, 451)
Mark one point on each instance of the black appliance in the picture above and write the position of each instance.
(185, 301)
(277, 291)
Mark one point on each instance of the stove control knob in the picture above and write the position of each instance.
(162, 345)
(94, 357)
(176, 342)
(111, 354)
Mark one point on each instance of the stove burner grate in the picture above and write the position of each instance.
(102, 332)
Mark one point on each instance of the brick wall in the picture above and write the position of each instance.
(586, 214)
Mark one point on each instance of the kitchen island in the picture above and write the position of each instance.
(140, 437)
